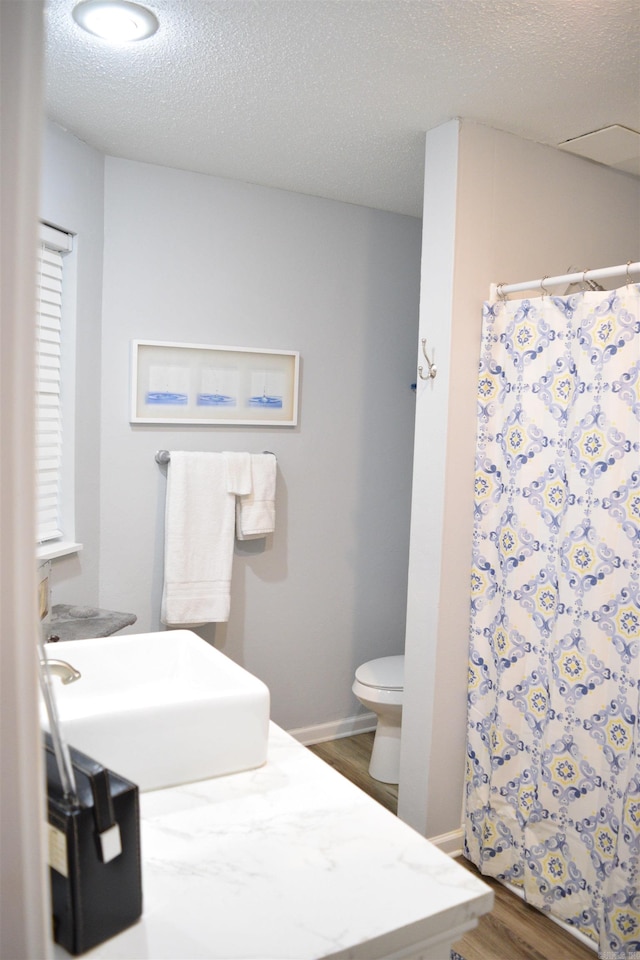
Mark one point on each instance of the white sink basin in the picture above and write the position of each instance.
(161, 708)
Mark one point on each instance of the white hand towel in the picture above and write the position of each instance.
(238, 472)
(256, 511)
(199, 529)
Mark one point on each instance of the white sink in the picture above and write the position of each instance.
(161, 708)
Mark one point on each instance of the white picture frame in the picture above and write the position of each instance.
(194, 383)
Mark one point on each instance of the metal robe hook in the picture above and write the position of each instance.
(432, 369)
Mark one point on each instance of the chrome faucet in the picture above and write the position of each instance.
(62, 669)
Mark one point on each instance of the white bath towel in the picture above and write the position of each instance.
(199, 529)
(238, 472)
(256, 511)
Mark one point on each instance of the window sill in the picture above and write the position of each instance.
(58, 548)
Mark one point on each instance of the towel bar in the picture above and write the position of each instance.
(164, 456)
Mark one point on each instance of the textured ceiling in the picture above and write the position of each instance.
(333, 97)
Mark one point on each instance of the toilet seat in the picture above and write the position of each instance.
(386, 673)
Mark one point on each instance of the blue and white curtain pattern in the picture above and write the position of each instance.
(553, 772)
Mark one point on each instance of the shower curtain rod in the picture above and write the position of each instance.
(604, 273)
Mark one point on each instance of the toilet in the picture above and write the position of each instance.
(379, 686)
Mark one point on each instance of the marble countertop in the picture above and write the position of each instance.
(288, 862)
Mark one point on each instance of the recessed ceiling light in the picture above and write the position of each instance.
(117, 21)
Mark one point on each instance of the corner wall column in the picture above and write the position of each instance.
(430, 454)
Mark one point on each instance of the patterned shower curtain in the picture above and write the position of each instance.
(553, 770)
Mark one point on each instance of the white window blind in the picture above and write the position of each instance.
(54, 244)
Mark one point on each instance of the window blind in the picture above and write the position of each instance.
(48, 382)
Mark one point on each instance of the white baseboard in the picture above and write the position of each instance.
(335, 729)
(450, 843)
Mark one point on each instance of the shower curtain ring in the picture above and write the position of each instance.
(501, 294)
(628, 274)
(584, 279)
(545, 292)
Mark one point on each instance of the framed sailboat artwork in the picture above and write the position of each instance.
(196, 383)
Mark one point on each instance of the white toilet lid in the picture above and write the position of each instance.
(387, 673)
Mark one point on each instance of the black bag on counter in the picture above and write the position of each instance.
(94, 852)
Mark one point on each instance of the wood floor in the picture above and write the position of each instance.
(350, 757)
(513, 930)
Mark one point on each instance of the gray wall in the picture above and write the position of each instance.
(72, 198)
(197, 259)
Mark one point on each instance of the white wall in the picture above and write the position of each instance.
(198, 259)
(24, 919)
(497, 208)
(72, 198)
